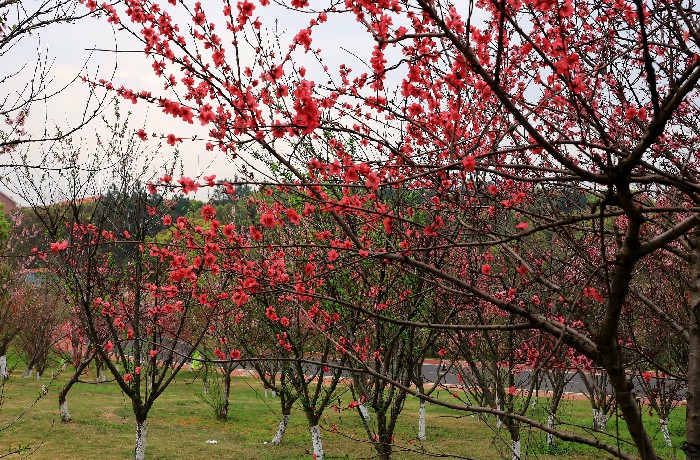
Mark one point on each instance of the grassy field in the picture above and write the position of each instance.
(180, 424)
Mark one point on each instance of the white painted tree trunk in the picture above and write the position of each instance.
(3, 368)
(103, 375)
(550, 424)
(63, 410)
(38, 376)
(267, 395)
(140, 450)
(280, 430)
(600, 420)
(363, 411)
(499, 422)
(274, 393)
(421, 421)
(515, 449)
(603, 421)
(317, 443)
(664, 430)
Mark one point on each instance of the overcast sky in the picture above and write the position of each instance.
(70, 51)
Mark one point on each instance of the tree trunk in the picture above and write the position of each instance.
(550, 424)
(280, 430)
(384, 450)
(222, 413)
(363, 411)
(515, 449)
(514, 430)
(499, 422)
(421, 421)
(140, 449)
(600, 420)
(316, 442)
(63, 407)
(692, 394)
(664, 430)
(63, 394)
(3, 368)
(692, 418)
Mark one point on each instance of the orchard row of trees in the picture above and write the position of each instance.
(511, 183)
(288, 338)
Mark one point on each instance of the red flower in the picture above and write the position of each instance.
(512, 391)
(218, 57)
(486, 269)
(304, 38)
(208, 212)
(172, 140)
(59, 246)
(268, 220)
(255, 234)
(206, 115)
(469, 163)
(271, 314)
(293, 216)
(188, 185)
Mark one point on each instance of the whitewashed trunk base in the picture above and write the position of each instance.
(140, 449)
(267, 394)
(550, 424)
(600, 420)
(280, 430)
(421, 421)
(317, 443)
(363, 411)
(3, 368)
(63, 410)
(515, 449)
(664, 430)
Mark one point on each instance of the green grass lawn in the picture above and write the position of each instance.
(180, 424)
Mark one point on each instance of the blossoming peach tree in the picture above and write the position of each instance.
(548, 147)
